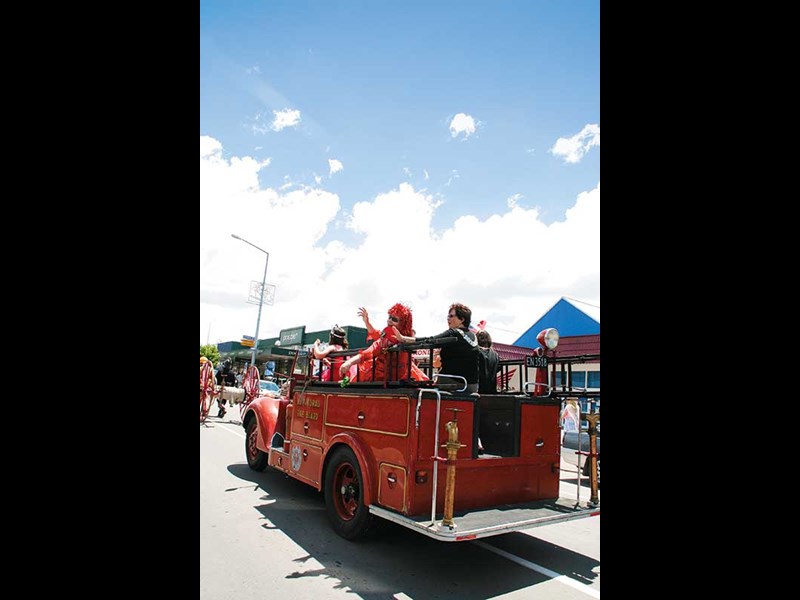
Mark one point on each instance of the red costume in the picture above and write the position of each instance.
(330, 372)
(378, 356)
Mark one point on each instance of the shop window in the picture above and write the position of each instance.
(579, 379)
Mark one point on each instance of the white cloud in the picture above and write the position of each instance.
(491, 265)
(285, 118)
(513, 201)
(334, 165)
(572, 149)
(462, 123)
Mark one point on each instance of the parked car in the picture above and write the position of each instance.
(569, 451)
(269, 388)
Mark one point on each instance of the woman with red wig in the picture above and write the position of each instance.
(374, 360)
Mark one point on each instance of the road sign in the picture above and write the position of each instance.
(248, 340)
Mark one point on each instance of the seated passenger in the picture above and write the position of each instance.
(460, 358)
(372, 362)
(488, 364)
(337, 341)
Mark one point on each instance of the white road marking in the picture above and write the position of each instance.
(540, 569)
(234, 432)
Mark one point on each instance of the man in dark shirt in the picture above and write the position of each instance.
(225, 377)
(460, 358)
(488, 364)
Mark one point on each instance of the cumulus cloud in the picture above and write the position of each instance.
(334, 166)
(285, 118)
(513, 201)
(573, 149)
(395, 255)
(462, 123)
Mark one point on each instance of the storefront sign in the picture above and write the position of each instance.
(292, 337)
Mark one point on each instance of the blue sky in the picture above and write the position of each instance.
(423, 152)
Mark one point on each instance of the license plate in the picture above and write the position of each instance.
(536, 361)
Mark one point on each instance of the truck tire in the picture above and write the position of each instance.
(344, 497)
(256, 459)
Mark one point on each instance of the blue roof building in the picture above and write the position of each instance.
(570, 317)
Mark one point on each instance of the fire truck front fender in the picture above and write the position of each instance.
(265, 411)
(366, 461)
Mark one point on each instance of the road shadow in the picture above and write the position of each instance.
(396, 559)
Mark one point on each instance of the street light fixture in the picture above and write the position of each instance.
(261, 302)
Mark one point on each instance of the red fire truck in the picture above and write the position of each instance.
(407, 451)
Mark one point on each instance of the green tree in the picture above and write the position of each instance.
(211, 352)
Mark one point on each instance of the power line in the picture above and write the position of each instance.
(581, 301)
(501, 329)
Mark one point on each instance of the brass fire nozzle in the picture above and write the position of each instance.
(452, 446)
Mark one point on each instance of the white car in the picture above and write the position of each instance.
(269, 388)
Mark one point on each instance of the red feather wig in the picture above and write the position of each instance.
(402, 312)
(377, 350)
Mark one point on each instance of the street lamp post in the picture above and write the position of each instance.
(261, 301)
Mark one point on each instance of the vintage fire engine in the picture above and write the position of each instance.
(407, 451)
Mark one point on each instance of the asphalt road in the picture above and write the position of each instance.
(265, 535)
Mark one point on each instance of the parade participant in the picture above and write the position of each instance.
(269, 369)
(372, 362)
(488, 363)
(225, 376)
(460, 358)
(337, 341)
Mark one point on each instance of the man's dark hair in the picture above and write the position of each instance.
(463, 312)
(484, 339)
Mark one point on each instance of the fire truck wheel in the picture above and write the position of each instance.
(256, 459)
(344, 499)
(206, 389)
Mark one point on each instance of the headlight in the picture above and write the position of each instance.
(548, 338)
